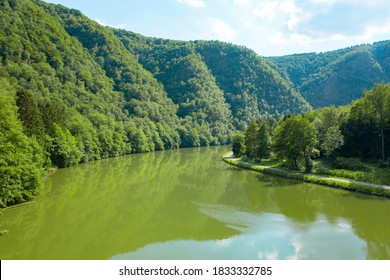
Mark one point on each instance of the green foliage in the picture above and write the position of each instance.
(85, 92)
(350, 164)
(249, 85)
(378, 107)
(257, 141)
(367, 130)
(332, 141)
(29, 114)
(251, 139)
(21, 158)
(355, 169)
(336, 77)
(295, 139)
(64, 150)
(327, 181)
(264, 142)
(238, 144)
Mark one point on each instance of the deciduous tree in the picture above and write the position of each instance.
(295, 139)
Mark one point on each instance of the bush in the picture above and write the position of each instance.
(352, 164)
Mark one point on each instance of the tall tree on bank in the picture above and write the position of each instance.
(295, 139)
(238, 144)
(251, 139)
(264, 143)
(378, 105)
(333, 140)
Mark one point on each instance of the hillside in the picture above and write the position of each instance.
(250, 86)
(336, 77)
(74, 91)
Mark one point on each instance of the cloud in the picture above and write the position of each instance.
(326, 2)
(267, 9)
(222, 30)
(294, 14)
(274, 255)
(286, 12)
(224, 242)
(242, 3)
(104, 23)
(371, 31)
(193, 3)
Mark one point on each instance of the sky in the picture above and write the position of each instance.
(269, 27)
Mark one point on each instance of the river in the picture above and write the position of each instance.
(189, 204)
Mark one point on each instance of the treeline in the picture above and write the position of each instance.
(360, 130)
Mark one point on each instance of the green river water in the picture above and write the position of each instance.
(189, 204)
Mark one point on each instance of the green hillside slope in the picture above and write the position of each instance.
(250, 86)
(337, 77)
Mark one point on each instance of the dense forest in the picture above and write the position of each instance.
(73, 91)
(337, 77)
(350, 141)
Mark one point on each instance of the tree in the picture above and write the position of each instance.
(251, 137)
(295, 139)
(29, 113)
(378, 105)
(238, 144)
(21, 158)
(332, 141)
(64, 150)
(263, 142)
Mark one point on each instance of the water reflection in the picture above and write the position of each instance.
(262, 236)
(190, 204)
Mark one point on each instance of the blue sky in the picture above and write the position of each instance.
(270, 27)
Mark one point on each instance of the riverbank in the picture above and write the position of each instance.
(346, 184)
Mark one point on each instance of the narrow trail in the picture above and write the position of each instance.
(383, 187)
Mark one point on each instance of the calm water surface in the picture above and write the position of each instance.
(189, 204)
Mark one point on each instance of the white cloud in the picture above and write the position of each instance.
(278, 39)
(274, 255)
(104, 23)
(286, 11)
(326, 2)
(242, 3)
(193, 3)
(371, 31)
(225, 242)
(222, 30)
(267, 9)
(294, 14)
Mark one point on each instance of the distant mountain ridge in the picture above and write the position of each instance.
(336, 77)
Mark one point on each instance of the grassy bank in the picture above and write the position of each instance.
(346, 184)
(354, 169)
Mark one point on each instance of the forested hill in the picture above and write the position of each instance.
(73, 91)
(336, 77)
(250, 86)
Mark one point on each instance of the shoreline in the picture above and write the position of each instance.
(346, 184)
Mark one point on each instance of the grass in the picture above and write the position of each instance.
(311, 178)
(353, 169)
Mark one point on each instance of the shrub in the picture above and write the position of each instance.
(353, 164)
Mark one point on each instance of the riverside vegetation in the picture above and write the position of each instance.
(74, 91)
(348, 142)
